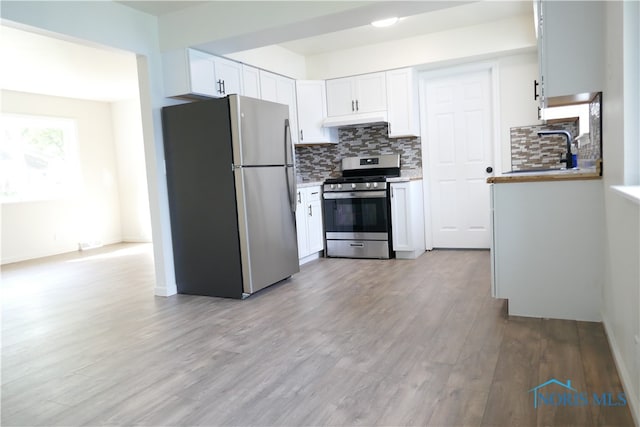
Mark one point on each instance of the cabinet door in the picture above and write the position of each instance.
(286, 94)
(402, 103)
(228, 76)
(250, 81)
(301, 223)
(340, 97)
(401, 217)
(268, 86)
(314, 220)
(572, 40)
(371, 93)
(312, 110)
(202, 73)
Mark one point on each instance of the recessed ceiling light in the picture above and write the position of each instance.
(385, 22)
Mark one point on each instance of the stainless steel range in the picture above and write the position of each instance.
(357, 208)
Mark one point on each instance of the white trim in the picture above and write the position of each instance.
(625, 378)
(423, 77)
(629, 192)
(309, 258)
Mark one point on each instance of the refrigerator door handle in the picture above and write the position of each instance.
(291, 186)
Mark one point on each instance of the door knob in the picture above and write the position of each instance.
(489, 169)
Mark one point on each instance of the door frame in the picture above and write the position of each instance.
(428, 75)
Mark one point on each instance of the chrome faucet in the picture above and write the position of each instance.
(567, 134)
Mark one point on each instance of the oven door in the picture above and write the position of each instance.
(356, 215)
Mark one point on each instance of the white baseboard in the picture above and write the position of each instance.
(308, 258)
(625, 378)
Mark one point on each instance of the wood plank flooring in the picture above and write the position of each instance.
(344, 342)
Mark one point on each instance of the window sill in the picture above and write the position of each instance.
(630, 192)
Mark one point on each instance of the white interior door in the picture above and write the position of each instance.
(459, 130)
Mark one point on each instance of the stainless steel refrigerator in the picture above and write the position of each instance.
(232, 185)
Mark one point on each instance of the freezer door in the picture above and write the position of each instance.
(268, 241)
(259, 132)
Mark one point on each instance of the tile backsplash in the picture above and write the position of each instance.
(529, 151)
(591, 149)
(319, 162)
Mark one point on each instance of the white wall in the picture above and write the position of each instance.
(517, 106)
(274, 58)
(477, 41)
(132, 179)
(621, 290)
(114, 25)
(36, 229)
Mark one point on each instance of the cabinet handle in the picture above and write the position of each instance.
(353, 106)
(219, 82)
(310, 211)
(357, 108)
(535, 90)
(301, 135)
(299, 198)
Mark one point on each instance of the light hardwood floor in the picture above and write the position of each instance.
(344, 342)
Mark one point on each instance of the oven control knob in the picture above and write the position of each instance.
(368, 184)
(339, 186)
(353, 186)
(333, 186)
(375, 184)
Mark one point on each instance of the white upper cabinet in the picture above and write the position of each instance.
(228, 76)
(201, 73)
(196, 74)
(366, 93)
(403, 103)
(250, 81)
(571, 47)
(312, 110)
(276, 88)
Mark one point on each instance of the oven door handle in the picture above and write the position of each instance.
(356, 195)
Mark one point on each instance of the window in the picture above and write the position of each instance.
(38, 158)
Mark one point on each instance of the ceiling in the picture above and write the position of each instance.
(460, 15)
(41, 64)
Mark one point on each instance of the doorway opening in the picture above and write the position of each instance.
(96, 89)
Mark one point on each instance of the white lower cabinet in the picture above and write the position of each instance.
(309, 223)
(407, 219)
(547, 251)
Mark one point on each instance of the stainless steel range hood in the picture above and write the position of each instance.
(356, 119)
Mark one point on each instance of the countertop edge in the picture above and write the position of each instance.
(629, 192)
(543, 178)
(309, 184)
(404, 179)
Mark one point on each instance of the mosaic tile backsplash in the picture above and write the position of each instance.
(591, 150)
(529, 151)
(319, 162)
